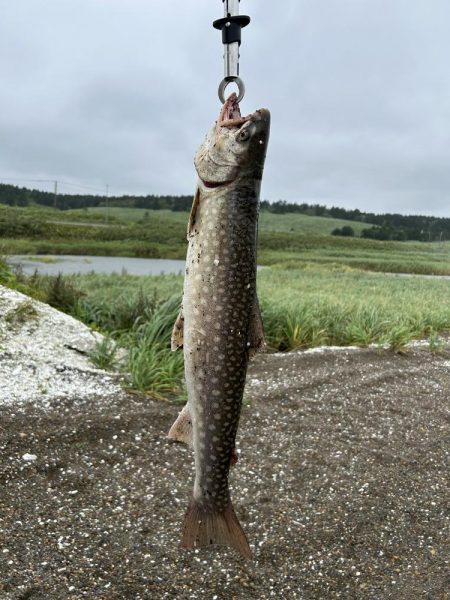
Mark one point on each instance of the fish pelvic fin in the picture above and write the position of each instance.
(206, 526)
(176, 340)
(256, 339)
(193, 214)
(181, 430)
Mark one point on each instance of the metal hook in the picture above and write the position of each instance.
(223, 84)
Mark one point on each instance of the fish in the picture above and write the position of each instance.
(219, 326)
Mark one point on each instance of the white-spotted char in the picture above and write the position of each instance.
(219, 326)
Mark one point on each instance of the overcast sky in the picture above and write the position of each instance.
(122, 92)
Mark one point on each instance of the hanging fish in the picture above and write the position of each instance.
(219, 325)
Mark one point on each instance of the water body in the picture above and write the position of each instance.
(71, 265)
(424, 276)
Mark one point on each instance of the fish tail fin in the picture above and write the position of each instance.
(181, 430)
(204, 526)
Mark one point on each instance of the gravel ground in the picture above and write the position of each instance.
(340, 484)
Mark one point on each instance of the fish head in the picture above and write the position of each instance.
(234, 148)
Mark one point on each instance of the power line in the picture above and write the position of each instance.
(85, 187)
(27, 180)
(68, 183)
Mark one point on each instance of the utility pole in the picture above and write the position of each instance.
(107, 204)
(55, 199)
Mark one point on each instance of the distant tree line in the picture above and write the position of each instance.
(388, 226)
(380, 226)
(16, 196)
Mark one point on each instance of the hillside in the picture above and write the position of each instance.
(288, 241)
(389, 226)
(268, 221)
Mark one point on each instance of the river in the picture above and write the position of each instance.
(70, 265)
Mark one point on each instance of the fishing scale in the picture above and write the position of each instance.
(230, 25)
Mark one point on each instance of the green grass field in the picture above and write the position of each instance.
(288, 223)
(300, 309)
(128, 215)
(285, 241)
(316, 289)
(335, 307)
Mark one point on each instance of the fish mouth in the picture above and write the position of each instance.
(230, 115)
(216, 184)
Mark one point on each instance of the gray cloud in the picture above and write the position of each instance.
(102, 91)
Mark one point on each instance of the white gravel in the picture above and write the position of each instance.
(44, 355)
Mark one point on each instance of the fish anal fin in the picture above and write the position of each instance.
(234, 456)
(206, 526)
(193, 214)
(176, 340)
(181, 430)
(256, 340)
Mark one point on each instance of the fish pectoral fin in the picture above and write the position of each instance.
(176, 340)
(256, 339)
(181, 430)
(191, 222)
(204, 526)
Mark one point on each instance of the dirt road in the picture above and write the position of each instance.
(340, 485)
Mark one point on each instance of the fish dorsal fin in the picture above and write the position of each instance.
(256, 340)
(192, 216)
(176, 341)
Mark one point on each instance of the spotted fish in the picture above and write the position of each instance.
(219, 325)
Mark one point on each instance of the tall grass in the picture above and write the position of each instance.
(153, 367)
(139, 314)
(137, 319)
(305, 308)
(6, 276)
(329, 323)
(300, 308)
(310, 308)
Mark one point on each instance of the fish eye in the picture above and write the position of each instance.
(243, 135)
